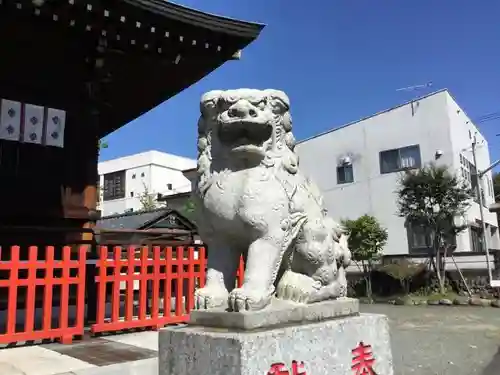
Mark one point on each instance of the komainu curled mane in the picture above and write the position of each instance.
(252, 200)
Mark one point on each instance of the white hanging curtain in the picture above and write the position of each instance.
(408, 157)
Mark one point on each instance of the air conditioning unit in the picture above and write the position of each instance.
(345, 160)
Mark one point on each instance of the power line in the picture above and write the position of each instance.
(488, 117)
(492, 114)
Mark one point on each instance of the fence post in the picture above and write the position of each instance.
(91, 285)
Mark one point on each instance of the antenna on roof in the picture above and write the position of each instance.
(415, 88)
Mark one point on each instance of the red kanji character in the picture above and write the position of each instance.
(298, 368)
(278, 369)
(363, 361)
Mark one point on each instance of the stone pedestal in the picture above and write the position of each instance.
(327, 338)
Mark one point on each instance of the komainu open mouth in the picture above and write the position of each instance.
(244, 135)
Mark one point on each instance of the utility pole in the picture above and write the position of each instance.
(479, 189)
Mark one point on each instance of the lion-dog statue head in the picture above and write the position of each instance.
(244, 128)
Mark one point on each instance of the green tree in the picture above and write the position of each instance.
(148, 200)
(189, 208)
(367, 239)
(404, 271)
(435, 199)
(496, 185)
(102, 144)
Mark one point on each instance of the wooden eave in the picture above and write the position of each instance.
(225, 25)
(139, 52)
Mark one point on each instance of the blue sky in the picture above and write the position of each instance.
(340, 60)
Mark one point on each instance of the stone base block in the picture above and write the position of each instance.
(345, 346)
(278, 313)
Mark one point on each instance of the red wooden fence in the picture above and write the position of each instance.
(240, 272)
(137, 287)
(24, 276)
(161, 273)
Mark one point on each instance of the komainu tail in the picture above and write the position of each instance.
(345, 254)
(340, 237)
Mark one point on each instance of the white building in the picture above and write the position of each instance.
(124, 180)
(356, 166)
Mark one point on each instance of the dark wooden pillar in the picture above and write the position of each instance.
(96, 71)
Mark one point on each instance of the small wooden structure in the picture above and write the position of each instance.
(73, 71)
(163, 226)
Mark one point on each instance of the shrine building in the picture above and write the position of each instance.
(72, 72)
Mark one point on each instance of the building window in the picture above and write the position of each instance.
(132, 194)
(494, 239)
(345, 174)
(169, 186)
(476, 239)
(469, 175)
(133, 176)
(421, 238)
(114, 186)
(400, 159)
(142, 174)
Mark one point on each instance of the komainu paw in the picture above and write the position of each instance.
(210, 297)
(296, 287)
(245, 299)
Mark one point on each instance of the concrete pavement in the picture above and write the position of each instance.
(122, 354)
(425, 341)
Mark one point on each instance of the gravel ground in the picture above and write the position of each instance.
(443, 340)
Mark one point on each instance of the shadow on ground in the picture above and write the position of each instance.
(493, 367)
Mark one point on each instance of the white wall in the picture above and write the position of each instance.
(163, 176)
(135, 180)
(152, 170)
(462, 131)
(428, 125)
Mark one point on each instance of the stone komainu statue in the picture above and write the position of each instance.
(251, 199)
